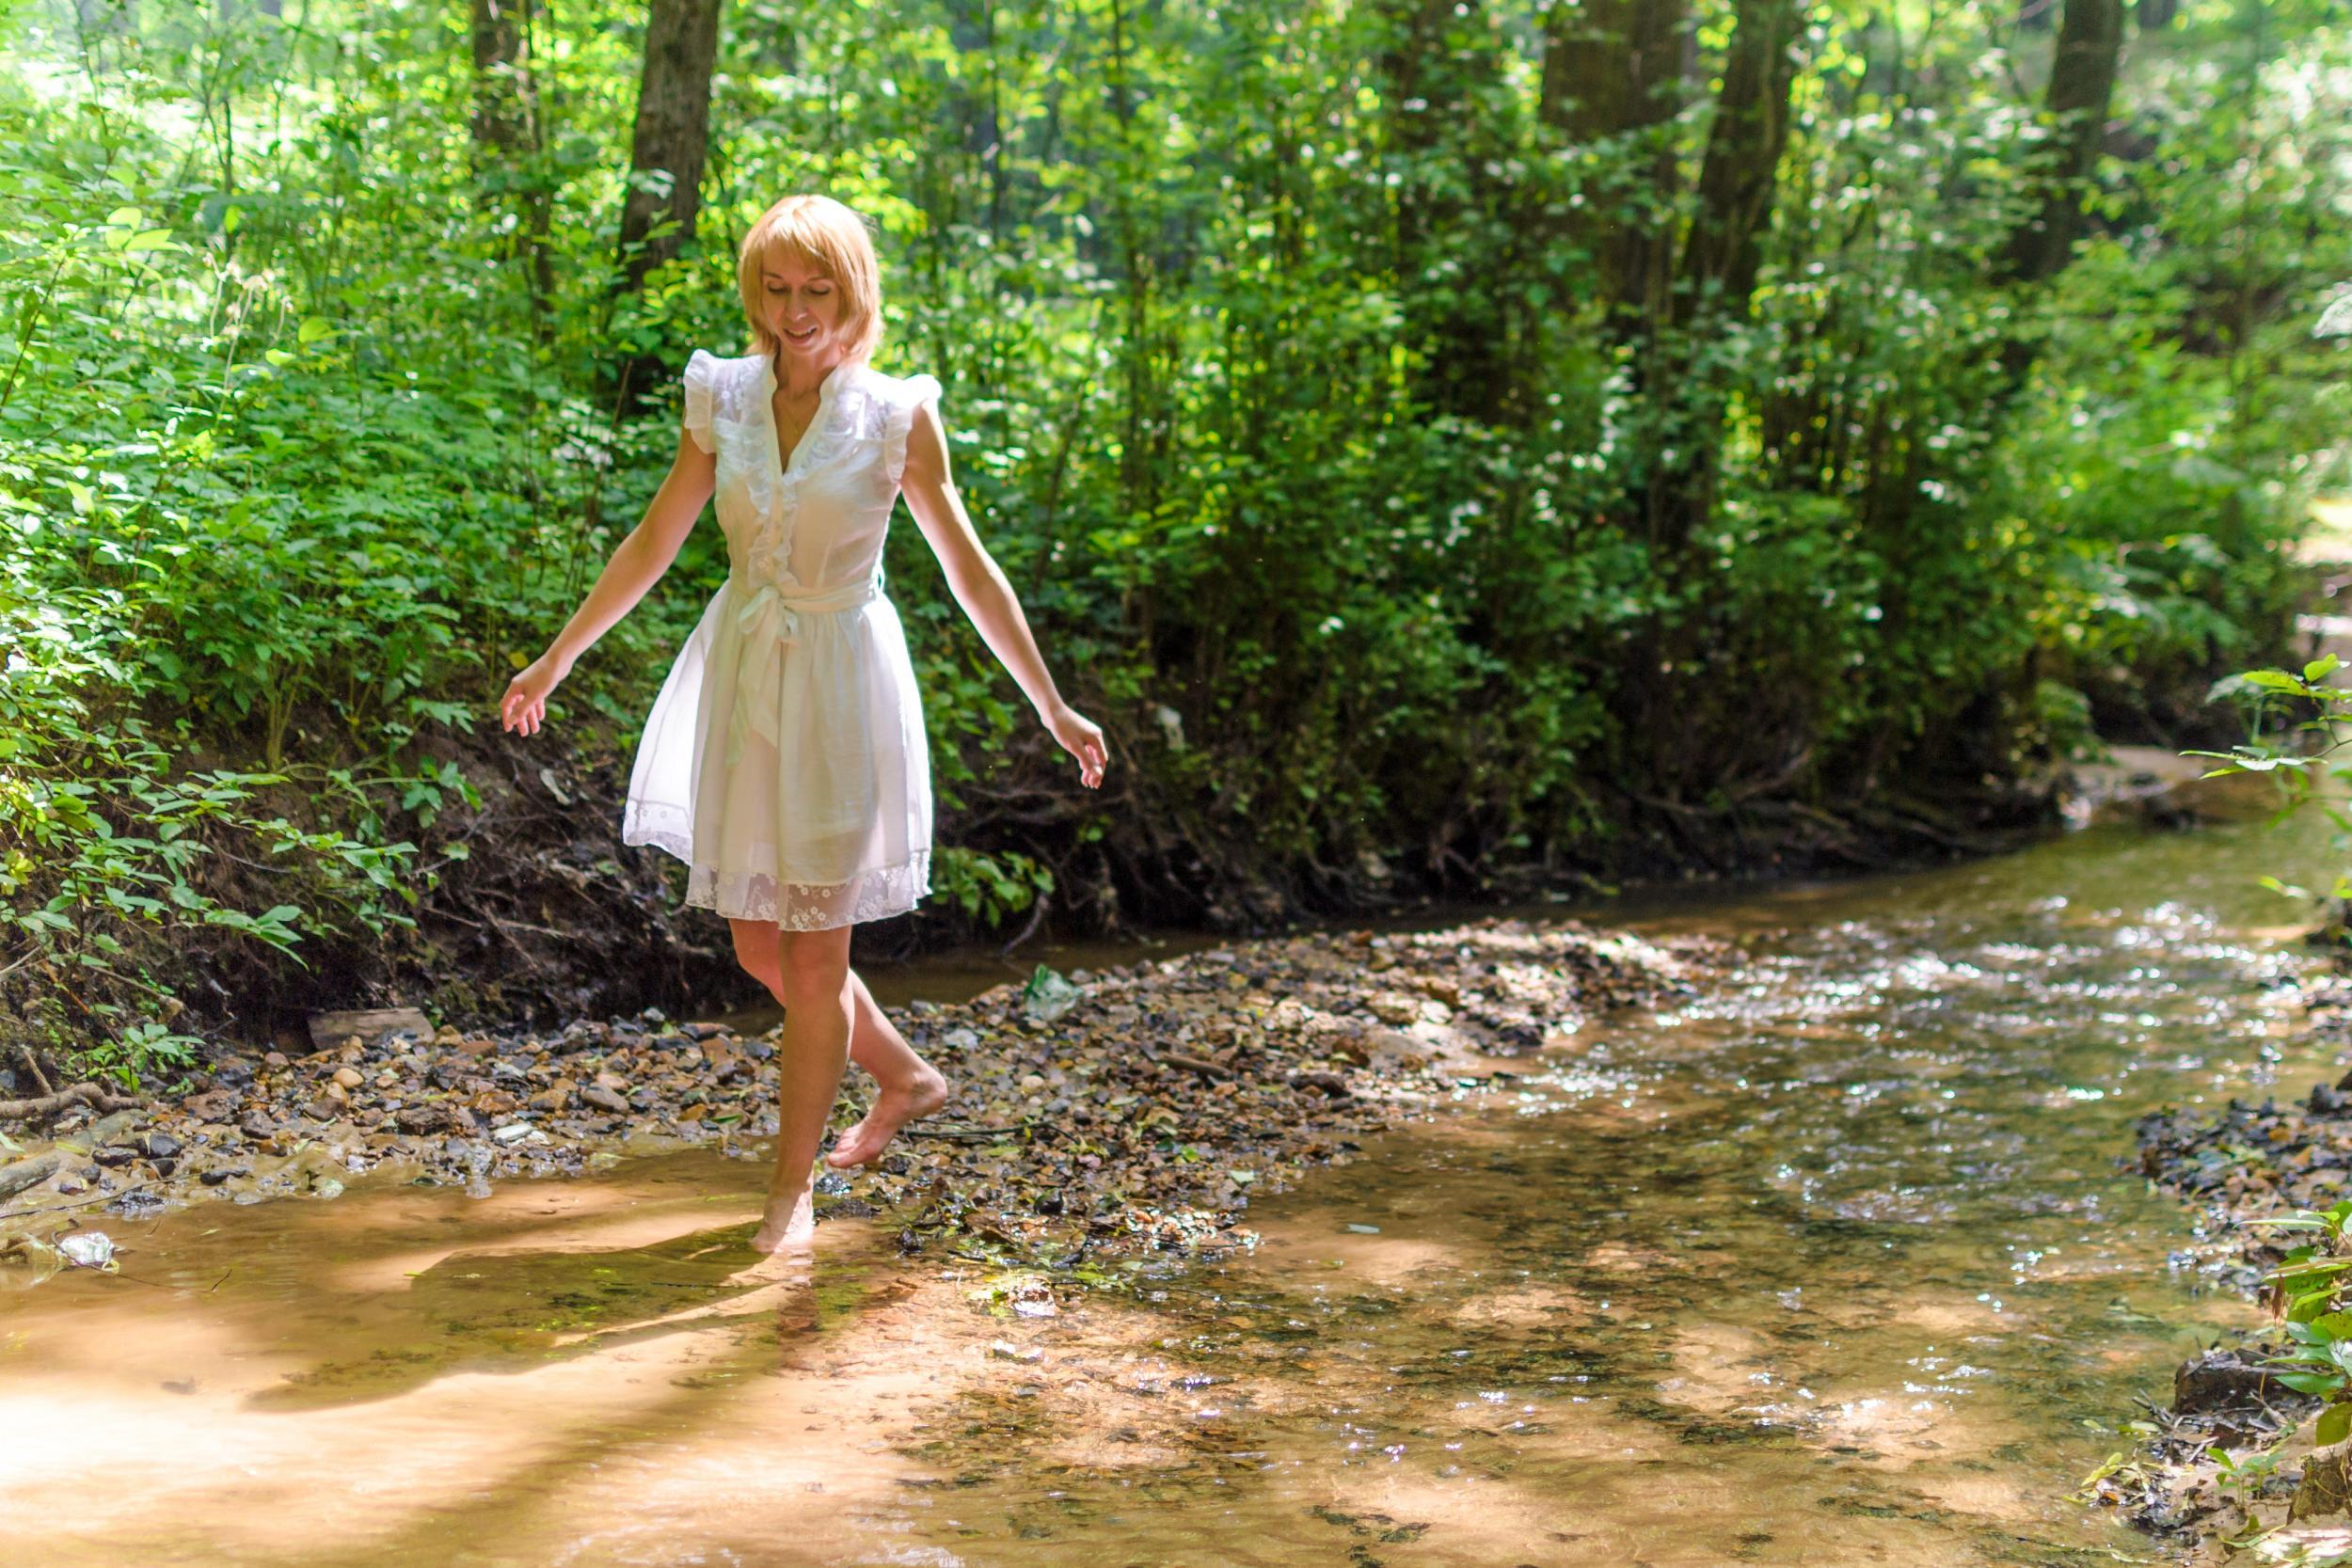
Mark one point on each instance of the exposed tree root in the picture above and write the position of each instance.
(79, 1094)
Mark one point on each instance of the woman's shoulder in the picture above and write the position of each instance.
(721, 367)
(903, 391)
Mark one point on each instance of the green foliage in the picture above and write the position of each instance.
(2307, 744)
(1286, 384)
(987, 887)
(2309, 1285)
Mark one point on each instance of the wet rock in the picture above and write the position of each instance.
(2326, 1101)
(159, 1146)
(114, 1156)
(105, 1129)
(370, 1024)
(212, 1105)
(2326, 1488)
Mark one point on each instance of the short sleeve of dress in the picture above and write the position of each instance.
(702, 377)
(916, 392)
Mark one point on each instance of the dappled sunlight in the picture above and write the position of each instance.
(1666, 1297)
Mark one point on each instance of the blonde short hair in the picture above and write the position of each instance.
(830, 237)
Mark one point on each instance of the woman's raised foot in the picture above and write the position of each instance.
(895, 1105)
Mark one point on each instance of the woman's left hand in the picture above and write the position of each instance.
(1082, 738)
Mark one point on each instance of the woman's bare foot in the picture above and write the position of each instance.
(895, 1105)
(789, 1224)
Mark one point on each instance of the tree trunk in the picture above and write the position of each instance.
(1448, 232)
(1725, 246)
(1613, 69)
(510, 139)
(1722, 251)
(671, 142)
(2082, 85)
(1674, 490)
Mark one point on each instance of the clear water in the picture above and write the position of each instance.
(1840, 1265)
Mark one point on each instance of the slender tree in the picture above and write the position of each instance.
(2082, 86)
(1721, 254)
(510, 135)
(1442, 63)
(1612, 70)
(667, 150)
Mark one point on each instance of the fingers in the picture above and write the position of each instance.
(521, 714)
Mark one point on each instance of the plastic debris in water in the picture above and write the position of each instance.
(87, 1250)
(1047, 996)
(27, 1262)
(1365, 1229)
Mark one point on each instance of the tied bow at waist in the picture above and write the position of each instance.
(768, 619)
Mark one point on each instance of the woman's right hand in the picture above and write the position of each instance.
(524, 707)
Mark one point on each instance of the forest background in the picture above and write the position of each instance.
(1474, 450)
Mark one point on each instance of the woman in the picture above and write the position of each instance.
(785, 760)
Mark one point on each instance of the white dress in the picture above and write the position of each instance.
(785, 761)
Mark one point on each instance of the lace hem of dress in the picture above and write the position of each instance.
(875, 895)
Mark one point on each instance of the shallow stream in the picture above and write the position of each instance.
(1840, 1265)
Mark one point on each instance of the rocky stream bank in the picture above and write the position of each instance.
(1094, 1114)
(2232, 1464)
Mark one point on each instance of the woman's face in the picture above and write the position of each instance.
(803, 307)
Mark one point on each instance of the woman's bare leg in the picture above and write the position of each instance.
(815, 969)
(907, 1086)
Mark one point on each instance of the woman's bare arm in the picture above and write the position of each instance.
(980, 587)
(636, 564)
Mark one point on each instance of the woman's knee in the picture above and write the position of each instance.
(814, 964)
(755, 945)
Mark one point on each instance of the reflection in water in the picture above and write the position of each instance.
(1837, 1266)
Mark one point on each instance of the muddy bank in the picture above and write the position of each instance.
(1137, 1108)
(539, 915)
(2229, 1460)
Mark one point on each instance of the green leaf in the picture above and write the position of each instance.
(2309, 1382)
(2335, 1423)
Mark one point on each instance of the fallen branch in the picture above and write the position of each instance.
(1204, 1067)
(80, 1094)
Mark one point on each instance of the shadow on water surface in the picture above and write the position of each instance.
(1838, 1264)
